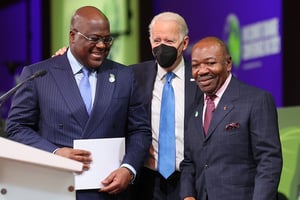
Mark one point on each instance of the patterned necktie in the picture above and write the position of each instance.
(85, 89)
(166, 151)
(210, 108)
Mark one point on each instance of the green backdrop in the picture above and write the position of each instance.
(289, 124)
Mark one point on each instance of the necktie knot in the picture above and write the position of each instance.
(210, 97)
(85, 71)
(210, 100)
(169, 77)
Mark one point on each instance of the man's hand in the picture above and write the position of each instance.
(117, 181)
(76, 154)
(60, 52)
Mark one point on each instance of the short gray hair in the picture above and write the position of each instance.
(170, 16)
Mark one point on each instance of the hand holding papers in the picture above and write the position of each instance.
(107, 154)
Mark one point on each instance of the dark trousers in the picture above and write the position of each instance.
(150, 185)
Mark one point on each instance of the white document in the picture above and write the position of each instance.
(107, 155)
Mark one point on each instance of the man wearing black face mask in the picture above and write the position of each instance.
(165, 55)
(169, 38)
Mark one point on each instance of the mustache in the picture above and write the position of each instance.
(204, 76)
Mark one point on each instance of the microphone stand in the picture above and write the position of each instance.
(9, 93)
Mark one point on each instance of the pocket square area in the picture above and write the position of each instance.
(232, 126)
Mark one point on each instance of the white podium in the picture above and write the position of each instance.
(29, 173)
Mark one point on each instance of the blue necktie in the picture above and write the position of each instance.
(85, 89)
(166, 151)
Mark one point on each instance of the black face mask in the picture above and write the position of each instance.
(165, 55)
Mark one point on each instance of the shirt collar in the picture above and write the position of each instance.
(178, 71)
(222, 89)
(75, 65)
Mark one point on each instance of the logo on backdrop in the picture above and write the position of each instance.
(232, 36)
(251, 41)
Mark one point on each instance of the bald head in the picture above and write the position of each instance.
(87, 14)
(88, 31)
(211, 41)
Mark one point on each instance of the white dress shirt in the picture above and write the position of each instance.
(178, 85)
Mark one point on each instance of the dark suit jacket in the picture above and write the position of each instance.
(145, 74)
(49, 112)
(240, 159)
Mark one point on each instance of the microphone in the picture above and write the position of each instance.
(8, 94)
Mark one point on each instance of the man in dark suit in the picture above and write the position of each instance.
(169, 39)
(239, 157)
(49, 113)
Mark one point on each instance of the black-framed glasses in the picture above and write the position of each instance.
(95, 40)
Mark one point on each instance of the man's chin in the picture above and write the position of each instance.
(95, 64)
(206, 89)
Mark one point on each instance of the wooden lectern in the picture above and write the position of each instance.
(29, 173)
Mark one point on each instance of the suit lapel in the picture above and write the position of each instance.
(66, 83)
(221, 111)
(150, 79)
(225, 105)
(197, 117)
(192, 92)
(106, 81)
(151, 70)
(145, 74)
(190, 86)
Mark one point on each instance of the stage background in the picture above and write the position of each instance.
(261, 36)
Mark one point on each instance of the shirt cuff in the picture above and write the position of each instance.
(55, 150)
(131, 170)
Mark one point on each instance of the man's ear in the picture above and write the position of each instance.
(185, 42)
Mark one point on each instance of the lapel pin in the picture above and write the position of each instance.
(196, 114)
(112, 78)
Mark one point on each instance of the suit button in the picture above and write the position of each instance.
(206, 166)
(60, 126)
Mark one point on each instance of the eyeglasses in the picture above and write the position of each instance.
(95, 40)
